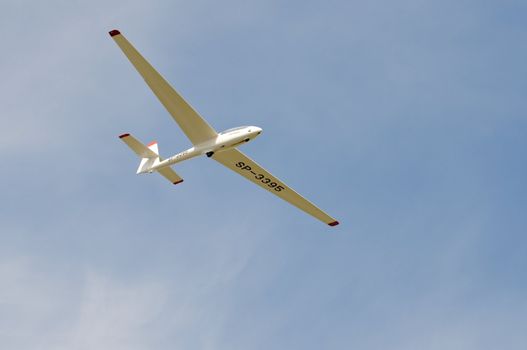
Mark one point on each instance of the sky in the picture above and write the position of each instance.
(406, 120)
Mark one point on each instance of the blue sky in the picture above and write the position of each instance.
(405, 120)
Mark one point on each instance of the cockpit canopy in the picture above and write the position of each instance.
(233, 129)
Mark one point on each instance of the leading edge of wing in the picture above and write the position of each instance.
(238, 162)
(192, 124)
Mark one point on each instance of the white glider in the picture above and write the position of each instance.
(206, 141)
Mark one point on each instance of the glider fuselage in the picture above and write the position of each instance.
(223, 141)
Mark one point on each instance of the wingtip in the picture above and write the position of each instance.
(334, 223)
(123, 135)
(114, 32)
(177, 182)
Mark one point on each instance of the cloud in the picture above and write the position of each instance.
(115, 315)
(105, 313)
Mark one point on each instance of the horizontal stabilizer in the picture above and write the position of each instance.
(170, 175)
(136, 146)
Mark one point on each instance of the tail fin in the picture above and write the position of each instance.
(149, 157)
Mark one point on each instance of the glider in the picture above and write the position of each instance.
(222, 147)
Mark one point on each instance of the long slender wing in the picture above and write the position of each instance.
(192, 124)
(248, 168)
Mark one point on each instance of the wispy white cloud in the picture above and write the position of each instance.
(115, 315)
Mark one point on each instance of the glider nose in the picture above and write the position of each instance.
(258, 130)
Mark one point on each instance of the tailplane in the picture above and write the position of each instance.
(149, 158)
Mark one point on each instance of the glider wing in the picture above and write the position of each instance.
(248, 168)
(192, 124)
